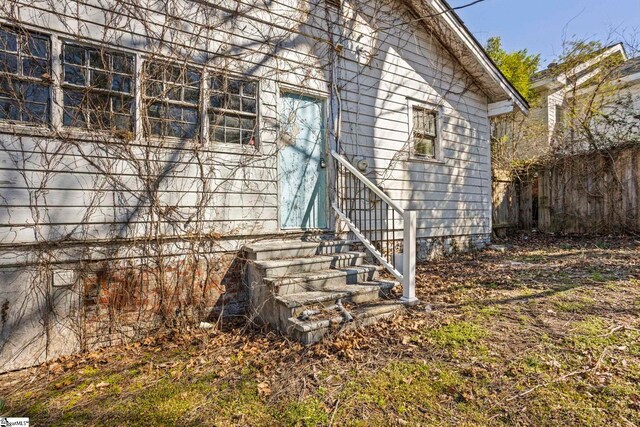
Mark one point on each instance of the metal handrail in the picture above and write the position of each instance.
(357, 224)
(344, 162)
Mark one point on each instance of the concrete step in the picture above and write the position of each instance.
(385, 287)
(279, 268)
(294, 305)
(322, 280)
(284, 249)
(315, 329)
(356, 294)
(334, 247)
(280, 249)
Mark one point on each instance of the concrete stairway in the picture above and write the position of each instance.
(306, 289)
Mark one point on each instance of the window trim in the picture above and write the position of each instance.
(432, 108)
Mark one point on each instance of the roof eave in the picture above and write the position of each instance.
(445, 14)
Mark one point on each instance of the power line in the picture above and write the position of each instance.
(422, 18)
(466, 5)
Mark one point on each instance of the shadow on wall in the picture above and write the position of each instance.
(138, 221)
(130, 228)
(450, 194)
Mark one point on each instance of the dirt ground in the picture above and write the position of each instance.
(543, 331)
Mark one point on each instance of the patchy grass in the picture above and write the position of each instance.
(544, 334)
(573, 302)
(455, 335)
(310, 412)
(412, 391)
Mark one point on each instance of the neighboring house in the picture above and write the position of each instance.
(589, 104)
(143, 144)
(600, 94)
(559, 89)
(629, 76)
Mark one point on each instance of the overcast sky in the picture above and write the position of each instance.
(541, 25)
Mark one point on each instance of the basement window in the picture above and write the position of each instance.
(172, 95)
(233, 110)
(25, 76)
(97, 88)
(424, 132)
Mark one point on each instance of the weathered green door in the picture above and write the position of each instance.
(303, 187)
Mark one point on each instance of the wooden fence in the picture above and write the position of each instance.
(514, 202)
(591, 193)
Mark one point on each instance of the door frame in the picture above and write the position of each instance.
(284, 89)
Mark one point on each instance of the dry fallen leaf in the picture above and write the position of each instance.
(55, 368)
(264, 389)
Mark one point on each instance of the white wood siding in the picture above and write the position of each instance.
(55, 190)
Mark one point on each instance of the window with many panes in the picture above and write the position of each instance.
(24, 76)
(172, 95)
(97, 88)
(424, 132)
(232, 110)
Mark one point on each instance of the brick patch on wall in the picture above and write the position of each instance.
(125, 303)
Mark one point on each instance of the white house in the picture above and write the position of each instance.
(561, 88)
(143, 144)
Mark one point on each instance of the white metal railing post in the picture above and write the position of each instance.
(409, 258)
